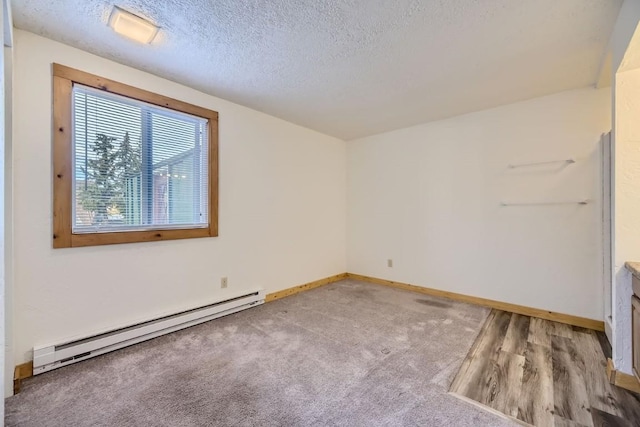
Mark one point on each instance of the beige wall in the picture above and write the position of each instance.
(282, 215)
(429, 197)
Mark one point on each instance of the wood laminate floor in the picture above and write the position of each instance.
(544, 373)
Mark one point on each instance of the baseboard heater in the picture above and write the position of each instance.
(46, 358)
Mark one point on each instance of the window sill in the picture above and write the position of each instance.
(113, 238)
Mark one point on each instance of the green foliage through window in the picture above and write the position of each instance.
(109, 176)
(137, 166)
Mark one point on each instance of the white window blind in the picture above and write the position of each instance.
(136, 166)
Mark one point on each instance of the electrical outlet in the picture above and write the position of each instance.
(223, 282)
(389, 263)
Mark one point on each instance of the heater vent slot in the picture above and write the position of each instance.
(46, 358)
(147, 323)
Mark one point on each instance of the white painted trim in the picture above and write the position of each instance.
(607, 168)
(608, 328)
(7, 20)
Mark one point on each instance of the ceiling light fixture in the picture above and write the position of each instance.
(132, 26)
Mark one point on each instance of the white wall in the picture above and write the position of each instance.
(282, 214)
(429, 196)
(6, 29)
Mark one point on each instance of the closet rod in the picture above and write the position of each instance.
(569, 202)
(548, 162)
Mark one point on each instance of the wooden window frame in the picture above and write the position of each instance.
(63, 236)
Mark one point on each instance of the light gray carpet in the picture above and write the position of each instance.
(346, 354)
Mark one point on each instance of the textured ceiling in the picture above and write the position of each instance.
(350, 68)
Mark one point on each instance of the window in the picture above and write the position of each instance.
(129, 165)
